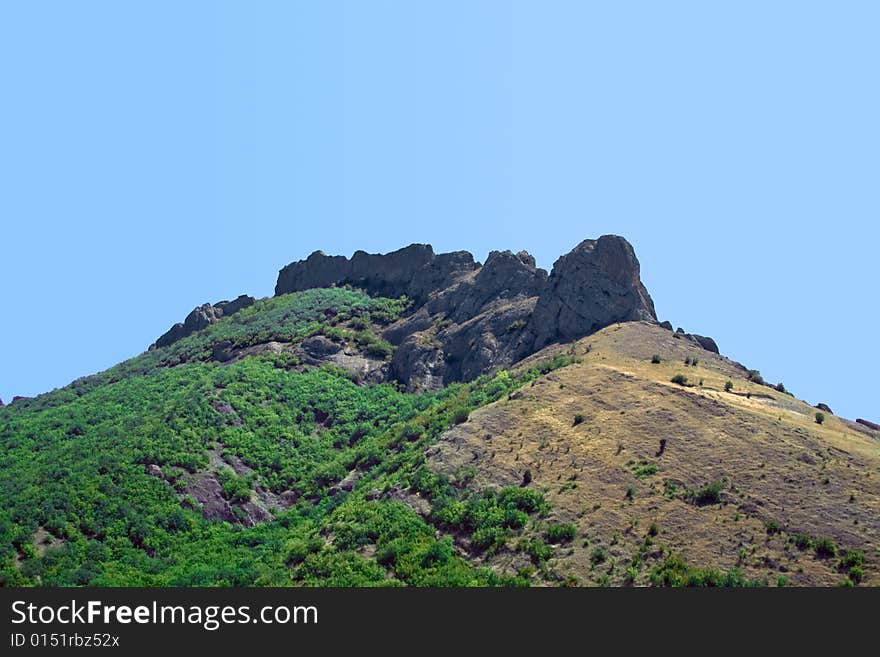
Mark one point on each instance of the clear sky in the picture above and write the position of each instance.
(157, 155)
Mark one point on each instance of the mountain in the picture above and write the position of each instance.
(424, 419)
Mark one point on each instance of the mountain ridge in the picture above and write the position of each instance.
(469, 318)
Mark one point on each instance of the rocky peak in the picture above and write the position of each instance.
(468, 319)
(596, 284)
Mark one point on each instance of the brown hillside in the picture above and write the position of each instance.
(783, 474)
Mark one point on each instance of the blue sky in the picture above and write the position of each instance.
(154, 156)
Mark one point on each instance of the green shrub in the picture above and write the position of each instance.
(561, 533)
(644, 469)
(579, 419)
(728, 386)
(820, 417)
(599, 555)
(460, 415)
(538, 550)
(680, 379)
(773, 527)
(655, 359)
(708, 494)
(803, 541)
(825, 548)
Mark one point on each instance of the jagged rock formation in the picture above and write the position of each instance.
(469, 319)
(701, 341)
(201, 317)
(414, 271)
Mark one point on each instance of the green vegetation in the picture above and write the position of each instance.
(708, 494)
(820, 417)
(561, 533)
(680, 379)
(772, 527)
(107, 473)
(728, 386)
(802, 542)
(675, 571)
(655, 359)
(825, 548)
(755, 377)
(642, 469)
(579, 419)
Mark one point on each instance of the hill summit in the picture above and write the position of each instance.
(468, 318)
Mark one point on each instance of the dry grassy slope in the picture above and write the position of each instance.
(778, 464)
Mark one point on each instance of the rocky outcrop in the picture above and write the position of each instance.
(202, 317)
(873, 426)
(701, 341)
(824, 408)
(415, 271)
(468, 319)
(594, 285)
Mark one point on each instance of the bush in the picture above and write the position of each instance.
(561, 533)
(680, 379)
(779, 387)
(755, 377)
(644, 469)
(826, 548)
(579, 419)
(708, 494)
(851, 559)
(802, 542)
(460, 415)
(655, 359)
(820, 417)
(728, 386)
(598, 556)
(538, 550)
(773, 527)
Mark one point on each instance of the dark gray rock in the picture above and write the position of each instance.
(706, 343)
(824, 408)
(667, 325)
(414, 271)
(873, 426)
(202, 317)
(593, 286)
(319, 346)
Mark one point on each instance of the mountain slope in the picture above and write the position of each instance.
(590, 437)
(492, 425)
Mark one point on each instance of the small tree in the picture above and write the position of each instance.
(680, 379)
(655, 359)
(728, 386)
(820, 417)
